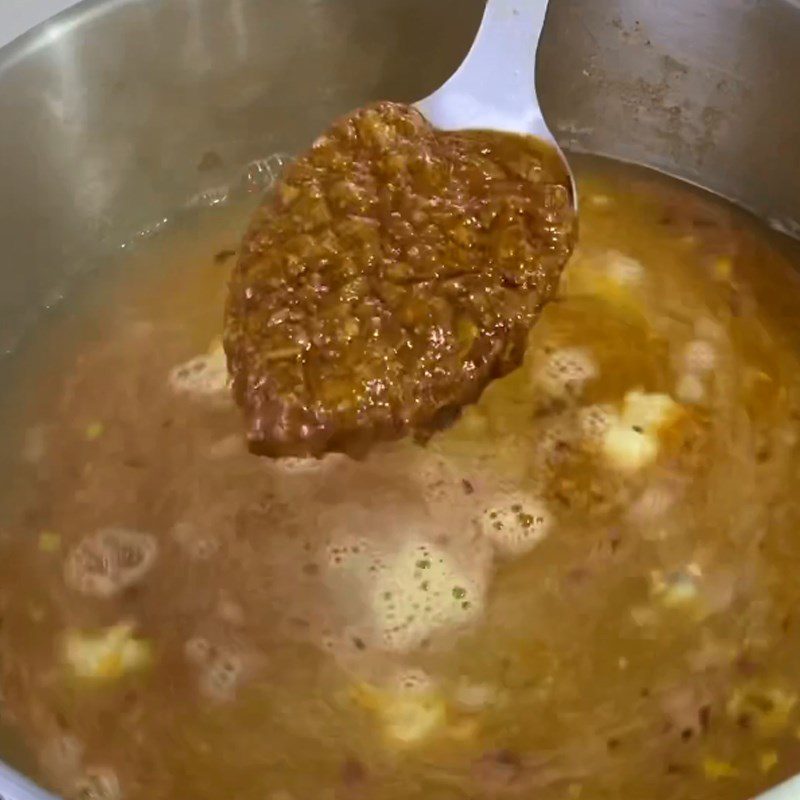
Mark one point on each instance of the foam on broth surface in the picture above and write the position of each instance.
(585, 588)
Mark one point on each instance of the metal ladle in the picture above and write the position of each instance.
(495, 86)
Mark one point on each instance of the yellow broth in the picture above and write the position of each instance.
(585, 588)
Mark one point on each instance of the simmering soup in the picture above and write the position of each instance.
(584, 588)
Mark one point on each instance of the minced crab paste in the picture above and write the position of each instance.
(585, 587)
(394, 271)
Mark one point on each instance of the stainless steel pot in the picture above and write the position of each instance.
(107, 110)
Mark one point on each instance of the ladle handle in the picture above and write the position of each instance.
(14, 787)
(495, 86)
(786, 791)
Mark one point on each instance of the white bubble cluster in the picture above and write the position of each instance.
(421, 590)
(202, 376)
(565, 372)
(515, 523)
(107, 562)
(395, 576)
(555, 444)
(595, 421)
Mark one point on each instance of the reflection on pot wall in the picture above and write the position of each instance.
(700, 88)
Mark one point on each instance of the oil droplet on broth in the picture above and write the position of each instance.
(535, 580)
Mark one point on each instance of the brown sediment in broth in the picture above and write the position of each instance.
(630, 629)
(393, 272)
